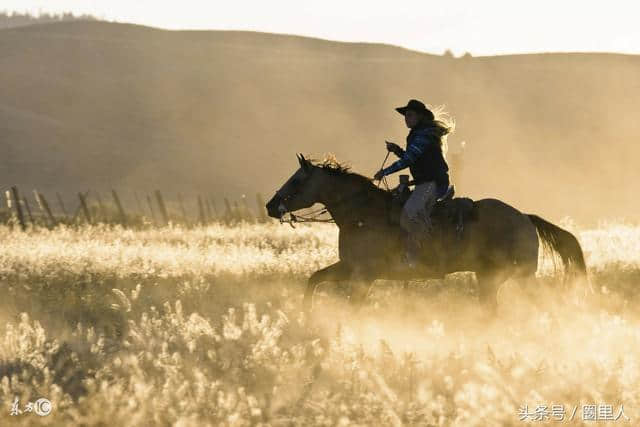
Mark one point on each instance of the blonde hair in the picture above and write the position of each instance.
(441, 125)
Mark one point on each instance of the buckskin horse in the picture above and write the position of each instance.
(497, 241)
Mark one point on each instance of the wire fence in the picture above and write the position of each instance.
(34, 209)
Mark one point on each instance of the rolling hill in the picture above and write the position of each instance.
(104, 105)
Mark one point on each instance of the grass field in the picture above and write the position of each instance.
(203, 326)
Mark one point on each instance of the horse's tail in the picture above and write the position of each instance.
(561, 242)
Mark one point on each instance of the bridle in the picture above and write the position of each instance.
(293, 218)
(314, 215)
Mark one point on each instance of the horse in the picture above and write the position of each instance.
(499, 243)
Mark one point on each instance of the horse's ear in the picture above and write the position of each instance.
(304, 163)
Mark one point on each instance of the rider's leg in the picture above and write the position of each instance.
(415, 218)
(430, 197)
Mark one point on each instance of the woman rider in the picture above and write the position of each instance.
(425, 160)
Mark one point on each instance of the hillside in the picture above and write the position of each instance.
(100, 105)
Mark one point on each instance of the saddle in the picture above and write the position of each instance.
(448, 212)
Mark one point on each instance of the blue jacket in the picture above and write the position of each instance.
(424, 159)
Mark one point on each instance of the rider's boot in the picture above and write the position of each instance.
(422, 255)
(413, 249)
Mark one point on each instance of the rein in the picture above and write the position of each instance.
(384, 178)
(309, 217)
(313, 216)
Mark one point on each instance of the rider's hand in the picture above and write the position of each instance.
(394, 148)
(378, 176)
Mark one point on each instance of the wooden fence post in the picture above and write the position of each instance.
(61, 203)
(201, 218)
(103, 212)
(208, 212)
(228, 213)
(7, 196)
(161, 206)
(44, 207)
(153, 214)
(79, 208)
(15, 199)
(47, 209)
(262, 209)
(237, 212)
(215, 207)
(184, 212)
(25, 202)
(211, 210)
(246, 210)
(135, 194)
(116, 200)
(85, 209)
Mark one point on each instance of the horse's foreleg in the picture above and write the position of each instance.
(488, 285)
(361, 282)
(359, 291)
(333, 273)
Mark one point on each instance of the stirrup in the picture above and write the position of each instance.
(447, 194)
(408, 262)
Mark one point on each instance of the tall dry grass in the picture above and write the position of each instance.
(203, 327)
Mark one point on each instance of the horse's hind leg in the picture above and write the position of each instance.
(528, 283)
(488, 284)
(488, 292)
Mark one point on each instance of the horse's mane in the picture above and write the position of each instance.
(332, 166)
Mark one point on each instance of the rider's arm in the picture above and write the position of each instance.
(399, 153)
(414, 151)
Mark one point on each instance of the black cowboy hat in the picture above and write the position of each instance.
(417, 106)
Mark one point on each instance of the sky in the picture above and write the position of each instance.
(488, 27)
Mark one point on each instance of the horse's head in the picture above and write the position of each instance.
(301, 190)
